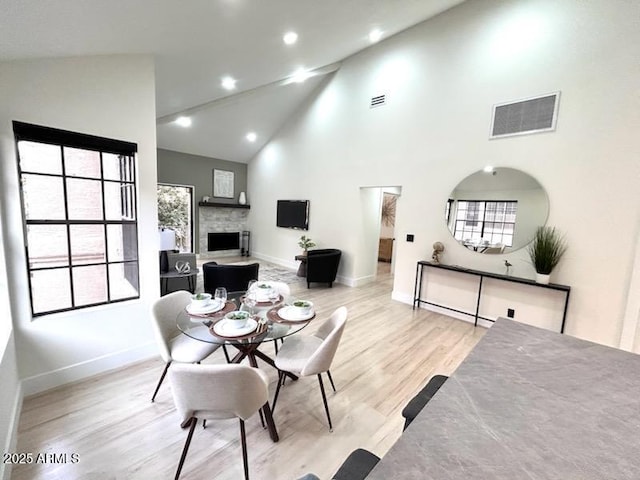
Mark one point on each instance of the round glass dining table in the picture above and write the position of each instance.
(270, 326)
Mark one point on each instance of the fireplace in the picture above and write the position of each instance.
(223, 241)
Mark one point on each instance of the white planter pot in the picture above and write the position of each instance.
(542, 278)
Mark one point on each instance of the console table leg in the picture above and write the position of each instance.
(417, 291)
(475, 324)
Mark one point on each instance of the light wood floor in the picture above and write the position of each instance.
(387, 353)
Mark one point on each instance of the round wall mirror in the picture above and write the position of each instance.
(496, 210)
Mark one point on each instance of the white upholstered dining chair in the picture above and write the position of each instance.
(215, 392)
(305, 355)
(174, 346)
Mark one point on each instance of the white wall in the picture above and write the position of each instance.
(442, 78)
(109, 96)
(10, 392)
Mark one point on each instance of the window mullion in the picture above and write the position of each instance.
(104, 228)
(66, 216)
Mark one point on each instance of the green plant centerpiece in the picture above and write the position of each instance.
(545, 251)
(306, 243)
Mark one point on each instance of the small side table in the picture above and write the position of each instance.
(191, 278)
(302, 269)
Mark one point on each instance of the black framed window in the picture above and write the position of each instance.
(492, 222)
(80, 215)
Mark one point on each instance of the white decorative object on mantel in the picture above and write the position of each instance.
(242, 199)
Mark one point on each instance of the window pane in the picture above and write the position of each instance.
(123, 280)
(43, 197)
(40, 158)
(84, 199)
(119, 201)
(81, 163)
(87, 244)
(50, 290)
(122, 241)
(47, 246)
(90, 284)
(117, 167)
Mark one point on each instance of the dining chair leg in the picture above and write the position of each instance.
(194, 421)
(275, 345)
(331, 380)
(164, 372)
(324, 399)
(245, 460)
(262, 419)
(275, 397)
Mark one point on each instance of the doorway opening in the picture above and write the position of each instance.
(387, 232)
(175, 212)
(379, 205)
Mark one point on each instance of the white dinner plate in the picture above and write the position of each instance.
(212, 307)
(288, 313)
(224, 329)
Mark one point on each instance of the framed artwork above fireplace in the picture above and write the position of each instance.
(223, 183)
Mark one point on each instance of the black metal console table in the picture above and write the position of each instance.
(417, 291)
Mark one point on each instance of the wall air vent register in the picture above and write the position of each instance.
(378, 101)
(531, 115)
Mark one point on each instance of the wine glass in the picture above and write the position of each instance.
(251, 285)
(251, 301)
(274, 295)
(221, 295)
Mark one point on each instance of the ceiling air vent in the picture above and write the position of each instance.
(532, 115)
(378, 101)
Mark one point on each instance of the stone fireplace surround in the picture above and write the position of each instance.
(219, 219)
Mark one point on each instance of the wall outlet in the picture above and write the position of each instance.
(409, 237)
(511, 313)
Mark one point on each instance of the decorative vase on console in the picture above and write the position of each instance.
(545, 252)
(242, 199)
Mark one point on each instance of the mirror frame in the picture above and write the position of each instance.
(501, 185)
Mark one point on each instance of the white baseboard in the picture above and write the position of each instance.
(291, 265)
(348, 281)
(11, 441)
(357, 282)
(55, 378)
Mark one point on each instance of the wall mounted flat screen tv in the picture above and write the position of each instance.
(293, 214)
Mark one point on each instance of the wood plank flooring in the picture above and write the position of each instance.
(387, 353)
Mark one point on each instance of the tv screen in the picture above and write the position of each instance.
(293, 214)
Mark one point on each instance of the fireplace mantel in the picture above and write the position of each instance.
(222, 205)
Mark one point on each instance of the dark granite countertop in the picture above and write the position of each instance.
(527, 404)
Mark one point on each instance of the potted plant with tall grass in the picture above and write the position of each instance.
(545, 252)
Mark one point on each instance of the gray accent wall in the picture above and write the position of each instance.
(195, 170)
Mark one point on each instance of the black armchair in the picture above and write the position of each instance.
(235, 278)
(322, 265)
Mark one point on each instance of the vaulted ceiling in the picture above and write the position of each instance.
(197, 43)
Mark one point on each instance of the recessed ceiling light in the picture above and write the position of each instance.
(488, 169)
(183, 121)
(375, 35)
(228, 83)
(290, 38)
(251, 136)
(300, 75)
